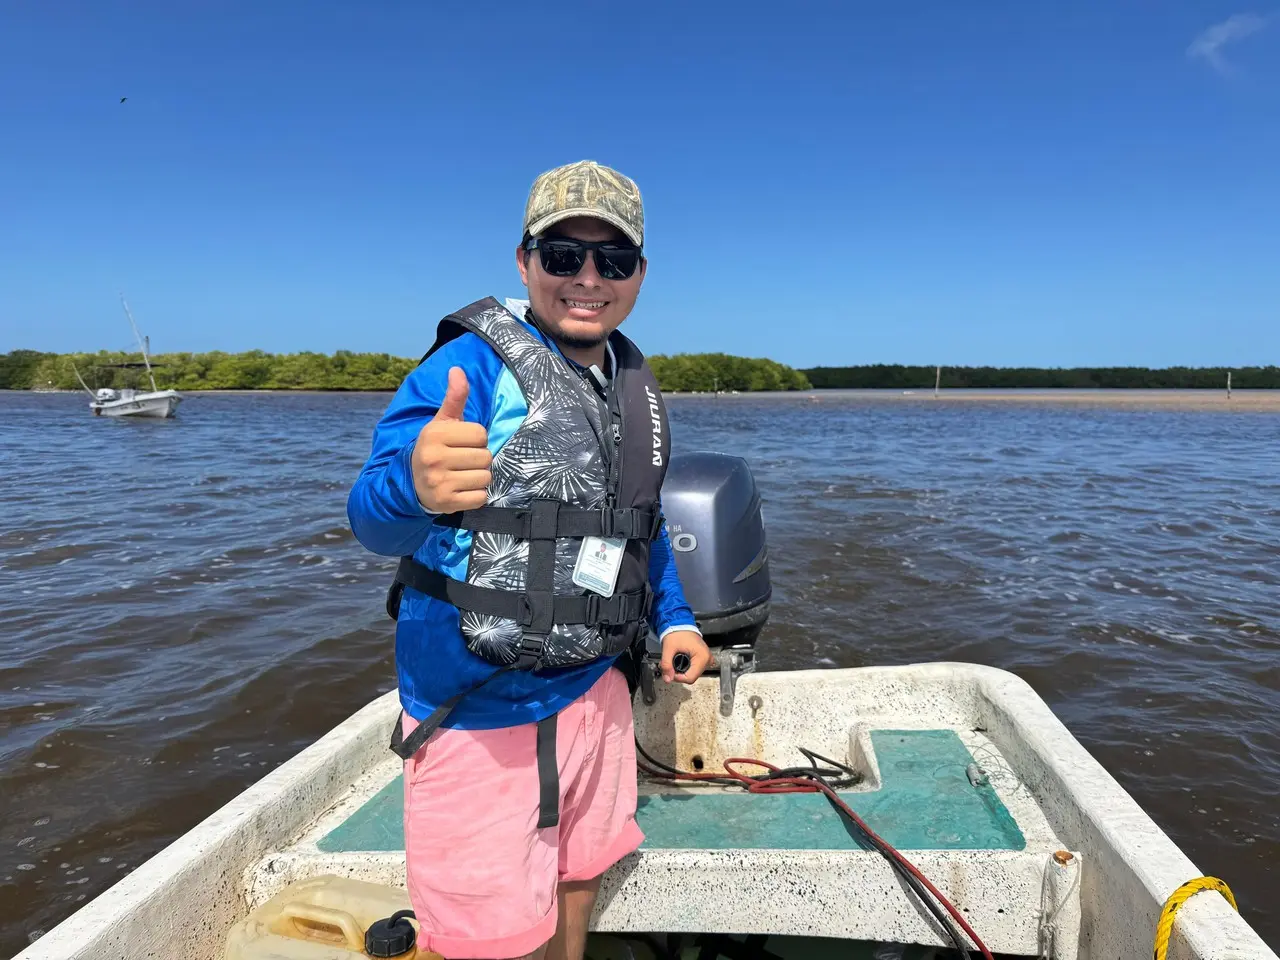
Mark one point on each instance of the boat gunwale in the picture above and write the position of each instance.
(157, 898)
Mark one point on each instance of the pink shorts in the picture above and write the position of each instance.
(482, 876)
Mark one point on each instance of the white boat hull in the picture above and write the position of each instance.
(281, 830)
(159, 404)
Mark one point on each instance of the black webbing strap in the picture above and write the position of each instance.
(540, 580)
(520, 607)
(405, 747)
(548, 774)
(633, 523)
(548, 767)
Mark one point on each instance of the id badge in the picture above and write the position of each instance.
(599, 561)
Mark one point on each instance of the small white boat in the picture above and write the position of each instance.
(961, 768)
(134, 403)
(130, 402)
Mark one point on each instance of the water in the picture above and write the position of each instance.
(184, 607)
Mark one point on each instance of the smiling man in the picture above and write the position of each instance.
(517, 474)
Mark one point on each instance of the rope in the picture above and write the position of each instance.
(1164, 929)
(1048, 919)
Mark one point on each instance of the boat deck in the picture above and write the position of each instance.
(936, 787)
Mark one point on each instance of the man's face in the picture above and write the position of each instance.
(582, 310)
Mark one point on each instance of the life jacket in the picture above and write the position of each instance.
(584, 463)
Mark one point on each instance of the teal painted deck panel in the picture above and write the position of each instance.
(378, 825)
(925, 803)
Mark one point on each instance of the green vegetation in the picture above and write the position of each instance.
(719, 371)
(898, 377)
(256, 370)
(344, 370)
(16, 368)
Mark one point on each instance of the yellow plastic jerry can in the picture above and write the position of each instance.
(327, 918)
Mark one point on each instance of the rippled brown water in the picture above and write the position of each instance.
(183, 607)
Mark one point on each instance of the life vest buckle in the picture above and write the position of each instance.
(608, 524)
(595, 615)
(529, 654)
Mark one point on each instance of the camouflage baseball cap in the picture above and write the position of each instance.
(585, 189)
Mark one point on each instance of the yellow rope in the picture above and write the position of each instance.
(1176, 899)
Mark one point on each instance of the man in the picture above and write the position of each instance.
(517, 474)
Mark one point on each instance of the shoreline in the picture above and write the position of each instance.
(1132, 397)
(1129, 397)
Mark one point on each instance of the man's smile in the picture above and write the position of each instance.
(584, 309)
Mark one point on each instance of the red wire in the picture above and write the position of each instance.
(806, 785)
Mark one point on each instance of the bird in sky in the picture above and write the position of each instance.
(123, 99)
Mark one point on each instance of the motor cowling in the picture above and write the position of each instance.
(716, 527)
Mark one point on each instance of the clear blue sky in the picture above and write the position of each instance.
(1002, 183)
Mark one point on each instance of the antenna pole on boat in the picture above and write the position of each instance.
(83, 384)
(142, 346)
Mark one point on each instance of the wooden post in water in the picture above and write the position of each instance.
(937, 381)
(1228, 384)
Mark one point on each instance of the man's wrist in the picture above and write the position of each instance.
(405, 458)
(691, 627)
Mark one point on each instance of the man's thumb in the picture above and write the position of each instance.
(455, 398)
(666, 667)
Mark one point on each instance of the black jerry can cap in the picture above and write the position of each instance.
(392, 937)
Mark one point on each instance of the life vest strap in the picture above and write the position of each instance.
(405, 747)
(633, 523)
(545, 744)
(540, 574)
(591, 609)
(548, 773)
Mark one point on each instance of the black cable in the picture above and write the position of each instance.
(849, 777)
(722, 781)
(836, 775)
(948, 927)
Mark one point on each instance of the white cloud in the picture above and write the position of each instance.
(1209, 45)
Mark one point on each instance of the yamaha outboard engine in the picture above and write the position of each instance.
(716, 528)
(717, 531)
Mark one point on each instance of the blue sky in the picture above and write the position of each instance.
(1001, 183)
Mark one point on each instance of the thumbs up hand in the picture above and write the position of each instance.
(451, 458)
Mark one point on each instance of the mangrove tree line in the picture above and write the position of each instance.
(896, 376)
(344, 370)
(703, 372)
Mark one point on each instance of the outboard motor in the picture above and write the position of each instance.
(716, 527)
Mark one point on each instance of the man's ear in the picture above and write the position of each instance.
(522, 263)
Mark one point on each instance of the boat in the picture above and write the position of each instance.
(959, 770)
(130, 402)
(134, 403)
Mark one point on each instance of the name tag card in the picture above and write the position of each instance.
(598, 564)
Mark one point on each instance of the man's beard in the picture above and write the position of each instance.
(562, 338)
(578, 343)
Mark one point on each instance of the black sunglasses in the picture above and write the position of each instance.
(562, 257)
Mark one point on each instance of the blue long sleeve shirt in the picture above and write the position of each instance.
(432, 660)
